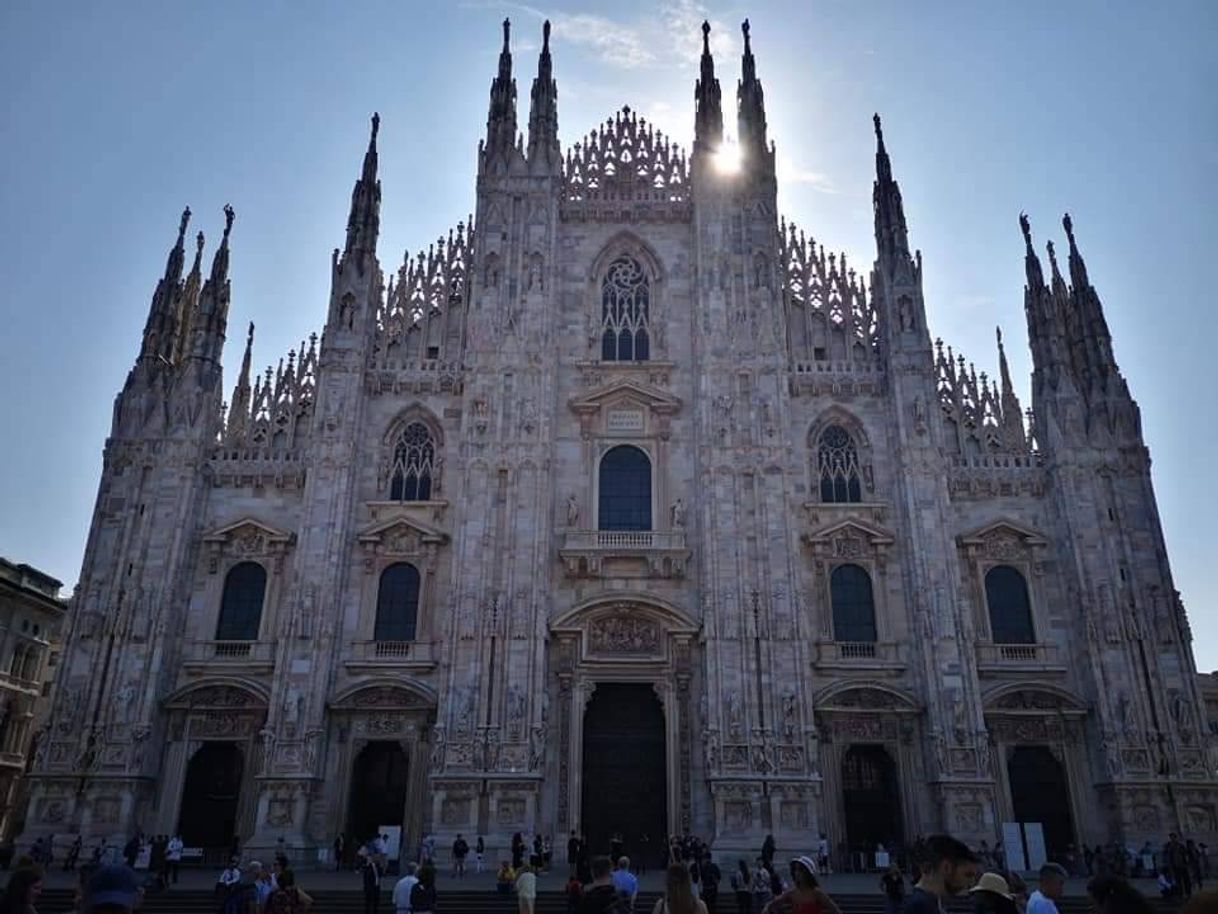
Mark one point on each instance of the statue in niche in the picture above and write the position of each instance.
(905, 314)
(534, 277)
(790, 715)
(572, 510)
(678, 515)
(291, 705)
(733, 714)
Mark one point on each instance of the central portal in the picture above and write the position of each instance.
(625, 783)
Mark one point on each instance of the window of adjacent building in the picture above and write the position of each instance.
(414, 456)
(397, 603)
(1006, 593)
(625, 311)
(853, 604)
(241, 605)
(625, 490)
(838, 465)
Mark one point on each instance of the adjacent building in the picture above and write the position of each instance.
(626, 506)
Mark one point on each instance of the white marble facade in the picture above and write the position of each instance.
(795, 417)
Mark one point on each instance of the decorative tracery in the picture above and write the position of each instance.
(414, 458)
(625, 312)
(626, 160)
(838, 465)
(981, 421)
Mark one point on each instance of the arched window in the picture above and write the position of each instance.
(241, 605)
(1006, 593)
(625, 490)
(397, 603)
(414, 458)
(838, 466)
(853, 605)
(18, 660)
(29, 670)
(625, 311)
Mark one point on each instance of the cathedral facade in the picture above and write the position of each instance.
(625, 506)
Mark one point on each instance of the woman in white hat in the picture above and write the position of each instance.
(992, 895)
(806, 897)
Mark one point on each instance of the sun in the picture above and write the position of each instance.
(728, 159)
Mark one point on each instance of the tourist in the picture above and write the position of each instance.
(574, 891)
(741, 882)
(1113, 895)
(131, 849)
(505, 878)
(710, 876)
(805, 896)
(892, 884)
(460, 850)
(517, 851)
(602, 897)
(423, 895)
(263, 885)
(22, 892)
(287, 898)
(73, 855)
(371, 873)
(679, 895)
(1175, 861)
(583, 864)
(537, 857)
(1018, 889)
(822, 854)
(767, 852)
(401, 891)
(547, 853)
(1052, 882)
(479, 853)
(526, 890)
(1194, 863)
(173, 858)
(948, 868)
(228, 888)
(761, 887)
(340, 845)
(617, 847)
(992, 895)
(572, 852)
(111, 890)
(626, 883)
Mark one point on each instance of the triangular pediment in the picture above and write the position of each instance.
(626, 391)
(1003, 528)
(397, 529)
(874, 534)
(249, 528)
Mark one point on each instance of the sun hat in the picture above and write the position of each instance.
(806, 862)
(114, 885)
(992, 882)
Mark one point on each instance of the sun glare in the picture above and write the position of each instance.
(727, 159)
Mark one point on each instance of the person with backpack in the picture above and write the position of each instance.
(679, 897)
(423, 895)
(761, 887)
(460, 851)
(710, 875)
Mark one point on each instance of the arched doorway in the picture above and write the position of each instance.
(625, 780)
(872, 799)
(1041, 793)
(208, 817)
(378, 791)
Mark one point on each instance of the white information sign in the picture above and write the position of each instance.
(394, 842)
(1034, 835)
(1012, 846)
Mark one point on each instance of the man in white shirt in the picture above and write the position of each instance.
(173, 856)
(1052, 883)
(401, 891)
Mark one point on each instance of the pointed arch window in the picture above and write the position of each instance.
(853, 605)
(625, 312)
(838, 466)
(1006, 593)
(625, 490)
(397, 603)
(241, 604)
(414, 459)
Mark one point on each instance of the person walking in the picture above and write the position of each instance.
(371, 873)
(805, 895)
(741, 882)
(1175, 860)
(761, 887)
(892, 884)
(1052, 883)
(479, 854)
(517, 851)
(287, 898)
(679, 897)
(460, 851)
(626, 884)
(572, 852)
(767, 851)
(22, 892)
(526, 890)
(948, 869)
(710, 875)
(505, 879)
(405, 885)
(340, 846)
(602, 897)
(228, 888)
(173, 858)
(263, 886)
(423, 895)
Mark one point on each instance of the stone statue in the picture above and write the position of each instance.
(790, 715)
(733, 713)
(678, 515)
(572, 510)
(537, 748)
(291, 705)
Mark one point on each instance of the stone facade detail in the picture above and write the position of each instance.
(808, 450)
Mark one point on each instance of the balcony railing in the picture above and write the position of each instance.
(859, 654)
(234, 652)
(610, 540)
(19, 682)
(998, 657)
(383, 653)
(625, 553)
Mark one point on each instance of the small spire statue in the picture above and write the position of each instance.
(545, 36)
(744, 27)
(705, 36)
(1026, 227)
(199, 244)
(229, 215)
(879, 130)
(376, 124)
(507, 31)
(1068, 225)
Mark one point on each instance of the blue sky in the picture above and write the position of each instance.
(115, 116)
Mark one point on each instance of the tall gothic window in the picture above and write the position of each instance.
(1006, 593)
(241, 604)
(625, 311)
(397, 603)
(838, 466)
(625, 490)
(853, 605)
(414, 457)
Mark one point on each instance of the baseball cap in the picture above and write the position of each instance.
(112, 885)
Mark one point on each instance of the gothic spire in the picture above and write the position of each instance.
(163, 315)
(1012, 411)
(708, 116)
(1031, 263)
(891, 234)
(750, 107)
(1096, 341)
(190, 302)
(239, 411)
(364, 221)
(211, 315)
(501, 118)
(543, 111)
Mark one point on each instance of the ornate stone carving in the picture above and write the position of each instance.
(624, 634)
